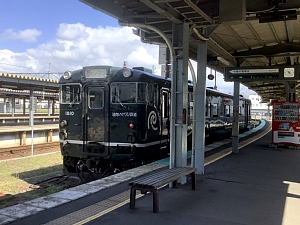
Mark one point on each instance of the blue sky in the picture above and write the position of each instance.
(45, 16)
(37, 36)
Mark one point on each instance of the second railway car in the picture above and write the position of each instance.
(112, 119)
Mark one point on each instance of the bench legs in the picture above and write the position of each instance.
(144, 191)
(132, 197)
(155, 201)
(193, 180)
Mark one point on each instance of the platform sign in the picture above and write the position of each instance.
(33, 103)
(250, 74)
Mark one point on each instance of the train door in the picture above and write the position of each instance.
(96, 119)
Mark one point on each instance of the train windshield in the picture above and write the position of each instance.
(70, 94)
(124, 93)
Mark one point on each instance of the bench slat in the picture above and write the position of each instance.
(154, 176)
(152, 182)
(163, 177)
(169, 175)
(169, 179)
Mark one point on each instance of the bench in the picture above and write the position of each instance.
(151, 183)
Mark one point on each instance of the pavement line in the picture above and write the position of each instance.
(105, 211)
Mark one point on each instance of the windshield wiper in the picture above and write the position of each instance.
(117, 97)
(74, 100)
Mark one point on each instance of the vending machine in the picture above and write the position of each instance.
(285, 123)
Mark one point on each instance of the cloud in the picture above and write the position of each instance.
(77, 45)
(72, 32)
(28, 35)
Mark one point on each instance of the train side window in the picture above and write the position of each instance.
(156, 95)
(150, 94)
(95, 98)
(142, 92)
(221, 103)
(227, 110)
(165, 105)
(215, 109)
(207, 109)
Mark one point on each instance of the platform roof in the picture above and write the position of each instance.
(246, 32)
(15, 84)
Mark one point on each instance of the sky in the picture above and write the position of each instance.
(42, 36)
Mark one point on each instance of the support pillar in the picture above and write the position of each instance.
(50, 135)
(13, 106)
(24, 106)
(290, 92)
(200, 107)
(4, 105)
(53, 107)
(179, 98)
(235, 120)
(49, 103)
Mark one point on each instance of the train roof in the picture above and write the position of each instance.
(139, 73)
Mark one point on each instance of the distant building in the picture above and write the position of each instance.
(258, 108)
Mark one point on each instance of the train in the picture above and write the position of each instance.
(116, 118)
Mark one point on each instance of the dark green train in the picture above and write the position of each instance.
(112, 119)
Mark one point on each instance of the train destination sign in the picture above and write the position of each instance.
(247, 74)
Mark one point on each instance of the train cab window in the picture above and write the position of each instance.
(123, 93)
(70, 94)
(95, 98)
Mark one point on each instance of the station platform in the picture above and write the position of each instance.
(259, 185)
(16, 136)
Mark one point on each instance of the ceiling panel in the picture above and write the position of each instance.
(242, 38)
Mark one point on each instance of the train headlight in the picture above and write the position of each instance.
(63, 123)
(67, 75)
(127, 72)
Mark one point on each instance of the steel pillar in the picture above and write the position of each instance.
(53, 107)
(179, 98)
(13, 106)
(24, 105)
(200, 107)
(235, 121)
(290, 92)
(49, 102)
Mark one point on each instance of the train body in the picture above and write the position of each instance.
(112, 119)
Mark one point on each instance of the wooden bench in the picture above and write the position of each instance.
(151, 183)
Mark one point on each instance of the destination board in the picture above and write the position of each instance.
(248, 74)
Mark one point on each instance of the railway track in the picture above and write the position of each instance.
(23, 151)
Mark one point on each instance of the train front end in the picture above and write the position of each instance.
(101, 112)
(84, 129)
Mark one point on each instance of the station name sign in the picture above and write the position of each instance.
(248, 74)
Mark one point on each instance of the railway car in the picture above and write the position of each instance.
(112, 118)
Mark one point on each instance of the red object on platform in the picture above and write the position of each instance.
(285, 123)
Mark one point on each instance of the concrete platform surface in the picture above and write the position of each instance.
(260, 185)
